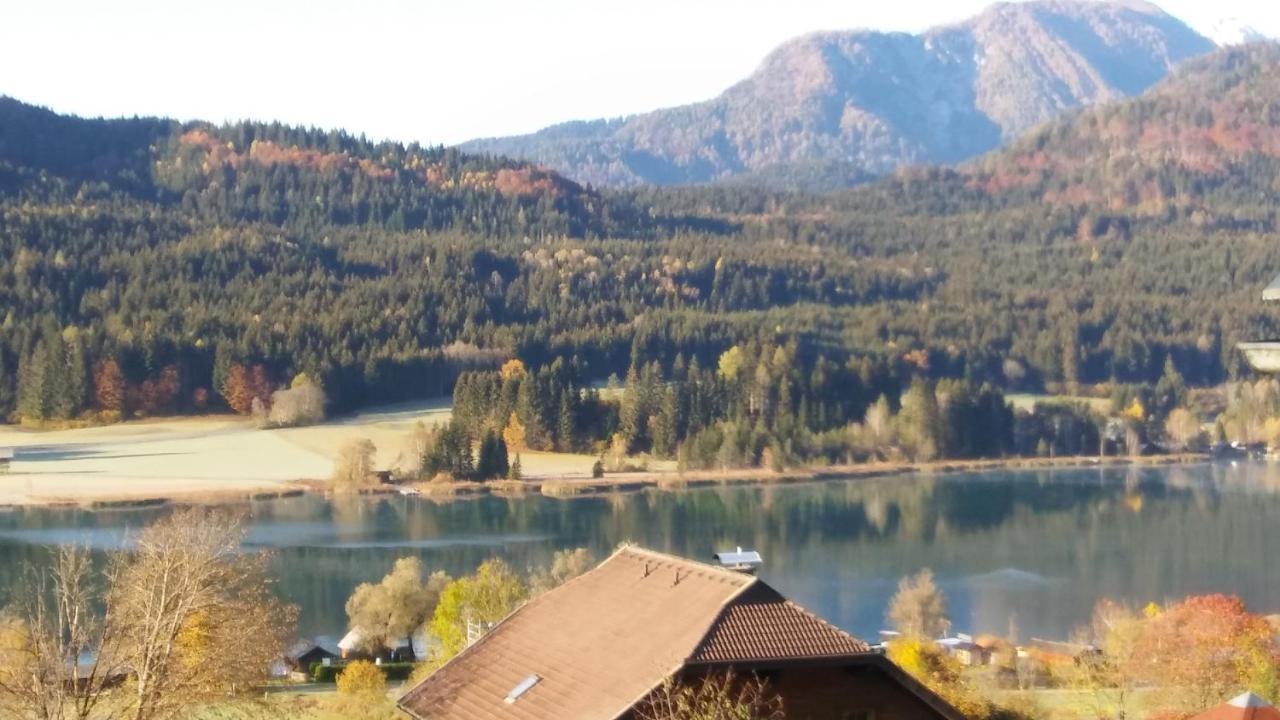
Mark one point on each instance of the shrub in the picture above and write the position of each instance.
(332, 673)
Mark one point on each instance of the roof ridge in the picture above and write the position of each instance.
(667, 557)
(751, 582)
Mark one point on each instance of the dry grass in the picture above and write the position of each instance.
(205, 459)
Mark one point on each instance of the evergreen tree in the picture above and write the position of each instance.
(34, 402)
(666, 425)
(919, 421)
(451, 453)
(566, 425)
(8, 387)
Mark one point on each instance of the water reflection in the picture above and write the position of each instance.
(1033, 549)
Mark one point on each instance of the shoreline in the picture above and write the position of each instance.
(574, 486)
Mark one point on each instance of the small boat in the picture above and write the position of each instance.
(410, 491)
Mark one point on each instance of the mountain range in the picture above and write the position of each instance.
(850, 105)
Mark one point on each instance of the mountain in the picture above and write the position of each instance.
(1096, 249)
(1212, 129)
(875, 101)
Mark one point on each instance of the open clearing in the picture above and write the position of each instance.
(220, 456)
(192, 456)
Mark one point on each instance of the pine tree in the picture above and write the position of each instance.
(33, 396)
(567, 426)
(666, 424)
(8, 387)
(515, 472)
(77, 375)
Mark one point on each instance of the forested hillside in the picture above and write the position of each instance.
(149, 267)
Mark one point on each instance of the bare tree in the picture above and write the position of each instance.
(302, 404)
(565, 566)
(919, 609)
(716, 696)
(193, 615)
(58, 658)
(354, 467)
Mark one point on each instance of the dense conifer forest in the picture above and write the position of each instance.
(150, 267)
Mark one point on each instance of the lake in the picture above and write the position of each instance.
(1027, 550)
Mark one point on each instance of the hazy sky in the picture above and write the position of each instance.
(428, 70)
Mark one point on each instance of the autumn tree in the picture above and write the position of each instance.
(919, 609)
(513, 434)
(362, 680)
(1182, 427)
(186, 613)
(243, 385)
(194, 615)
(1205, 648)
(353, 468)
(108, 388)
(565, 566)
(1110, 680)
(920, 657)
(395, 607)
(57, 617)
(475, 603)
(302, 404)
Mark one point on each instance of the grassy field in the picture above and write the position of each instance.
(192, 457)
(1084, 705)
(221, 457)
(1028, 401)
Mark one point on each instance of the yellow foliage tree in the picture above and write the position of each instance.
(513, 368)
(1136, 411)
(513, 434)
(195, 639)
(940, 673)
(362, 678)
(730, 364)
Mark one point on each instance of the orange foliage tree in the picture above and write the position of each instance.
(108, 387)
(156, 395)
(1205, 649)
(244, 385)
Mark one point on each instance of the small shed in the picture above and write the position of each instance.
(747, 561)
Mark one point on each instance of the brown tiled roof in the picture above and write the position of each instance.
(772, 628)
(601, 642)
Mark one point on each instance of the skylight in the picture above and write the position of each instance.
(524, 687)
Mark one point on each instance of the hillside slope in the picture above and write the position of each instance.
(875, 101)
(1211, 128)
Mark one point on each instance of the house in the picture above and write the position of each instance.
(1244, 707)
(397, 650)
(307, 652)
(599, 645)
(965, 650)
(1053, 652)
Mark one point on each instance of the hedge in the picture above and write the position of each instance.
(322, 673)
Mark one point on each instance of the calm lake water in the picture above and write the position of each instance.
(1033, 550)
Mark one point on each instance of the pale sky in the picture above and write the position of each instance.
(428, 70)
